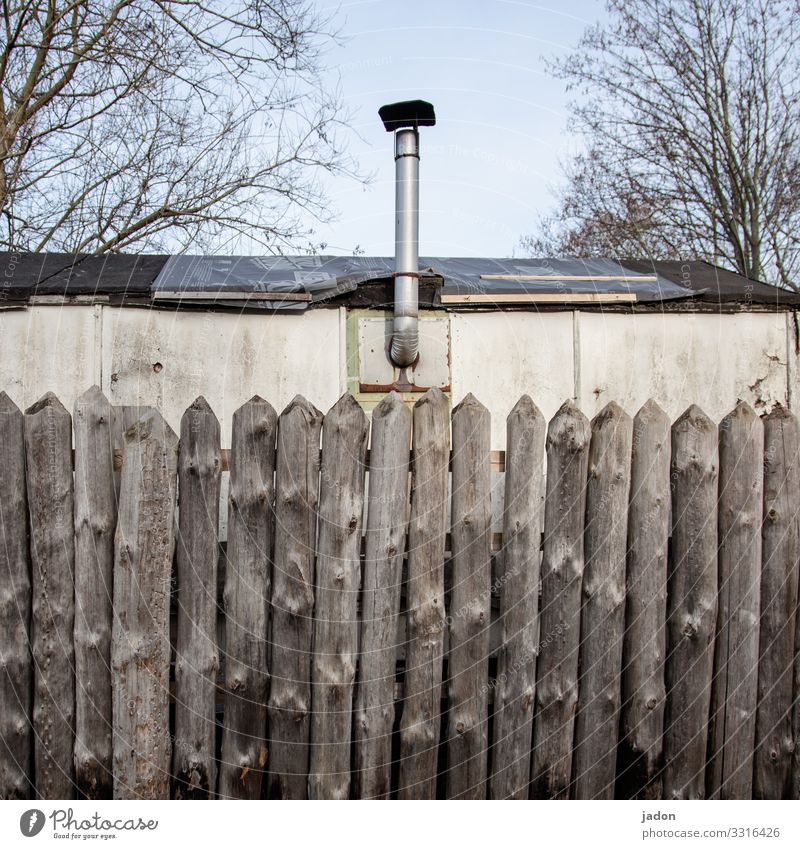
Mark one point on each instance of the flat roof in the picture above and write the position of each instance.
(296, 283)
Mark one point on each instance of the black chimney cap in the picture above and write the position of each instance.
(408, 113)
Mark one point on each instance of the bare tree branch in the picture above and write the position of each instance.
(689, 112)
(155, 124)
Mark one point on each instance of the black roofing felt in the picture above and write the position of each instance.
(24, 275)
(717, 284)
(366, 281)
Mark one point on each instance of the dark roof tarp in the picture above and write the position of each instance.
(28, 274)
(717, 285)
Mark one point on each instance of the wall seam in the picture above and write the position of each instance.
(789, 323)
(576, 356)
(98, 345)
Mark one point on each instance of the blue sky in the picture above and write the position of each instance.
(487, 167)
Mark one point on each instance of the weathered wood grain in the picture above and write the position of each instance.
(296, 501)
(734, 693)
(470, 603)
(345, 432)
(603, 609)
(518, 579)
(691, 604)
(48, 456)
(568, 439)
(247, 589)
(794, 791)
(196, 651)
(425, 618)
(643, 691)
(780, 555)
(387, 523)
(95, 523)
(140, 648)
(16, 666)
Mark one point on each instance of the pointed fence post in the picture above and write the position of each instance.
(420, 723)
(95, 523)
(345, 432)
(603, 609)
(691, 604)
(568, 439)
(296, 502)
(247, 590)
(196, 652)
(519, 575)
(780, 555)
(387, 522)
(734, 693)
(643, 691)
(140, 647)
(16, 666)
(48, 455)
(470, 602)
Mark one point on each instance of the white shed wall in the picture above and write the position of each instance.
(711, 359)
(225, 357)
(49, 349)
(677, 358)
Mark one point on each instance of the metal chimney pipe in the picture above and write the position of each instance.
(404, 119)
(405, 330)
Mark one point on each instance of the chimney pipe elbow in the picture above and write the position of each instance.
(405, 341)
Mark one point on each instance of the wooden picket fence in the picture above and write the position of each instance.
(633, 637)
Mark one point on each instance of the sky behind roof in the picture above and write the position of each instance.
(487, 167)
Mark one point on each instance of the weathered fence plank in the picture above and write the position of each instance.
(425, 618)
(296, 500)
(795, 780)
(603, 610)
(568, 439)
(345, 432)
(734, 693)
(698, 657)
(140, 649)
(774, 741)
(247, 590)
(196, 651)
(387, 522)
(48, 457)
(518, 577)
(470, 603)
(95, 523)
(16, 668)
(691, 604)
(643, 691)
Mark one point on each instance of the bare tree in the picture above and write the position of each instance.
(689, 112)
(156, 124)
